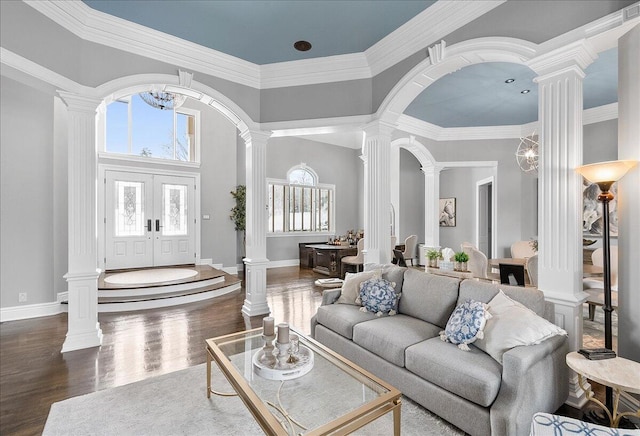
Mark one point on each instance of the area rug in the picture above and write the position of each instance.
(176, 404)
(148, 276)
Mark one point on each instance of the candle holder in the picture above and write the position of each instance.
(268, 358)
(283, 354)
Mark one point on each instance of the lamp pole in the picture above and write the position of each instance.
(604, 174)
(605, 197)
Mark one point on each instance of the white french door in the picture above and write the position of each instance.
(149, 220)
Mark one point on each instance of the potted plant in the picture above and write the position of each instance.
(238, 212)
(433, 256)
(461, 259)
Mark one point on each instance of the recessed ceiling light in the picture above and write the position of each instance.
(302, 45)
(526, 91)
(509, 80)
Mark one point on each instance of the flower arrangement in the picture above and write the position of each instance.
(534, 244)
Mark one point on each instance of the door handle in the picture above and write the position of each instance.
(157, 225)
(149, 225)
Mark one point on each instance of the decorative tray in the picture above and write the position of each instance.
(287, 371)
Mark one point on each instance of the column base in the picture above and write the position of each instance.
(83, 328)
(80, 340)
(255, 302)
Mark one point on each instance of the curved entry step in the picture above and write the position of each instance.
(150, 288)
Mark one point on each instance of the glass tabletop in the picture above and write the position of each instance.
(332, 389)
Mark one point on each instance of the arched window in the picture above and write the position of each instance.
(300, 203)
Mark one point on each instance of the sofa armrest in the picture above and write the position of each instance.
(534, 379)
(330, 296)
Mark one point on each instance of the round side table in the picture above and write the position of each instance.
(623, 375)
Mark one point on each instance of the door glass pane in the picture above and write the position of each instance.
(129, 212)
(174, 210)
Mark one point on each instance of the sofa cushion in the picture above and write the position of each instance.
(390, 272)
(512, 325)
(378, 296)
(351, 286)
(342, 317)
(428, 297)
(472, 375)
(388, 337)
(466, 324)
(484, 292)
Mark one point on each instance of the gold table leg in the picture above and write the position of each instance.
(614, 416)
(396, 417)
(211, 391)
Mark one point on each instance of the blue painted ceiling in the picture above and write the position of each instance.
(263, 32)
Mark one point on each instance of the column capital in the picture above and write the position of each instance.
(256, 136)
(80, 103)
(576, 56)
(379, 128)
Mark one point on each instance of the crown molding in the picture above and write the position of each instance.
(34, 70)
(600, 114)
(313, 71)
(426, 28)
(429, 26)
(101, 28)
(424, 129)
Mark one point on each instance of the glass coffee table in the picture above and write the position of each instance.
(334, 397)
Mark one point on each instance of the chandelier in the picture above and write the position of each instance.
(527, 155)
(162, 100)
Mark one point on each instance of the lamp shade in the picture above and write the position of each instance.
(611, 171)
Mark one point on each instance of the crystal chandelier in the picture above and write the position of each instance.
(162, 100)
(527, 155)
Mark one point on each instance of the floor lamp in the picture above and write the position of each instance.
(604, 174)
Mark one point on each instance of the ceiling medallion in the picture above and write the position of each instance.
(302, 45)
(527, 155)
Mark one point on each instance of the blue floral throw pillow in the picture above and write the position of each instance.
(466, 324)
(378, 295)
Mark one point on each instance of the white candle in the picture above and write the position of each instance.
(283, 333)
(268, 326)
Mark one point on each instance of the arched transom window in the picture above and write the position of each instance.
(300, 203)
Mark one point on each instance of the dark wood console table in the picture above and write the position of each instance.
(326, 258)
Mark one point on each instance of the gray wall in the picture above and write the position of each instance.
(27, 195)
(333, 165)
(410, 217)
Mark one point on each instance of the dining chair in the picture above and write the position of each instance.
(532, 270)
(394, 240)
(357, 260)
(410, 248)
(478, 262)
(522, 249)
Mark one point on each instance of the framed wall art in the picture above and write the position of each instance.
(592, 221)
(447, 212)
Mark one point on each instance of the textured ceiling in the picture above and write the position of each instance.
(263, 32)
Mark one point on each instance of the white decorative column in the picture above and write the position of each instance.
(431, 205)
(628, 197)
(377, 192)
(560, 189)
(255, 302)
(83, 330)
(394, 190)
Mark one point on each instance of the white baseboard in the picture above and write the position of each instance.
(283, 263)
(30, 311)
(205, 262)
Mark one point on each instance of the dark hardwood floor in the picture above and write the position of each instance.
(136, 345)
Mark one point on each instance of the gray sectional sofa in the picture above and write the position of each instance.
(470, 389)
